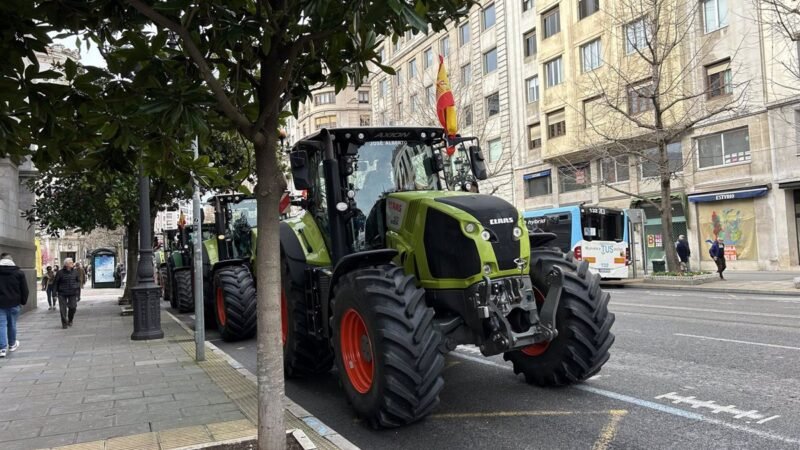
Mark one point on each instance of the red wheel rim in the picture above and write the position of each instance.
(221, 307)
(284, 317)
(356, 351)
(541, 347)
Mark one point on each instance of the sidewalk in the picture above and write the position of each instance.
(736, 282)
(92, 386)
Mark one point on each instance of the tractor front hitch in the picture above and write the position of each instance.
(547, 315)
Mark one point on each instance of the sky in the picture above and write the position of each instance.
(90, 57)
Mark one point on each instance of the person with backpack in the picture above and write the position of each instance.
(682, 248)
(717, 253)
(13, 295)
(47, 286)
(68, 287)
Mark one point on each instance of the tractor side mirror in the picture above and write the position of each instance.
(437, 162)
(300, 174)
(478, 163)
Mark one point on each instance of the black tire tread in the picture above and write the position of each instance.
(166, 286)
(239, 292)
(184, 292)
(412, 361)
(584, 324)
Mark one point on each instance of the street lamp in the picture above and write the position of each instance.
(146, 301)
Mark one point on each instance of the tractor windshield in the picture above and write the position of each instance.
(391, 166)
(244, 216)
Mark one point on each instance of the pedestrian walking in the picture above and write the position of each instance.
(682, 248)
(13, 294)
(47, 286)
(81, 277)
(67, 286)
(717, 252)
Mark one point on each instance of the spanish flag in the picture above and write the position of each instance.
(445, 104)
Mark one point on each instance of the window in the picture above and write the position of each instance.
(532, 89)
(488, 17)
(636, 35)
(383, 87)
(467, 115)
(615, 169)
(551, 22)
(381, 55)
(650, 160)
(574, 177)
(556, 124)
(326, 98)
(398, 77)
(493, 104)
(463, 34)
(591, 55)
(490, 61)
(715, 14)
(593, 113)
(718, 79)
(538, 184)
(364, 120)
(534, 136)
(527, 5)
(363, 97)
(414, 100)
(640, 98)
(587, 7)
(529, 42)
(721, 149)
(554, 72)
(396, 46)
(444, 46)
(466, 74)
(325, 122)
(495, 150)
(399, 111)
(412, 69)
(427, 59)
(430, 94)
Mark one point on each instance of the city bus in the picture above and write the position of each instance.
(593, 234)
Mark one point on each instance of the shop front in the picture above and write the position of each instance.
(731, 216)
(652, 235)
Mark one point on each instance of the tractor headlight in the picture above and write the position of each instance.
(470, 227)
(517, 232)
(485, 235)
(487, 269)
(221, 237)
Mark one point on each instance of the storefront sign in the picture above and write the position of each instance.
(730, 195)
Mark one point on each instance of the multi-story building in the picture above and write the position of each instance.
(547, 86)
(168, 220)
(351, 107)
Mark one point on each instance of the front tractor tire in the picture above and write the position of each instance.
(235, 303)
(582, 320)
(303, 354)
(184, 292)
(386, 347)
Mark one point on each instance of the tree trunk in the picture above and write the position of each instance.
(271, 431)
(131, 262)
(666, 224)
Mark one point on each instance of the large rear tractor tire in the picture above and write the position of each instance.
(184, 293)
(387, 350)
(166, 286)
(303, 354)
(235, 303)
(582, 320)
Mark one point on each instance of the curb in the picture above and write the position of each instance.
(297, 411)
(668, 287)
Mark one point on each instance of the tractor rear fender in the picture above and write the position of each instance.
(541, 238)
(293, 251)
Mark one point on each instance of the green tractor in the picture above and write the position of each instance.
(175, 271)
(388, 268)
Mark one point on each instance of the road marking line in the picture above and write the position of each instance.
(618, 412)
(735, 341)
(713, 406)
(767, 419)
(653, 405)
(609, 431)
(722, 311)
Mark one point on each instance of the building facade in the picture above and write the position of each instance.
(547, 85)
(326, 109)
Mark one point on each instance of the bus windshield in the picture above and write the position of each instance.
(601, 224)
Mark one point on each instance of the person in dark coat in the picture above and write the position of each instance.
(13, 294)
(682, 248)
(717, 252)
(47, 286)
(67, 286)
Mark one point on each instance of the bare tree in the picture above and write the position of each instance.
(781, 20)
(651, 88)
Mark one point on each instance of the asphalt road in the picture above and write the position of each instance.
(688, 370)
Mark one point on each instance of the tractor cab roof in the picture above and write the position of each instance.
(360, 135)
(229, 198)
